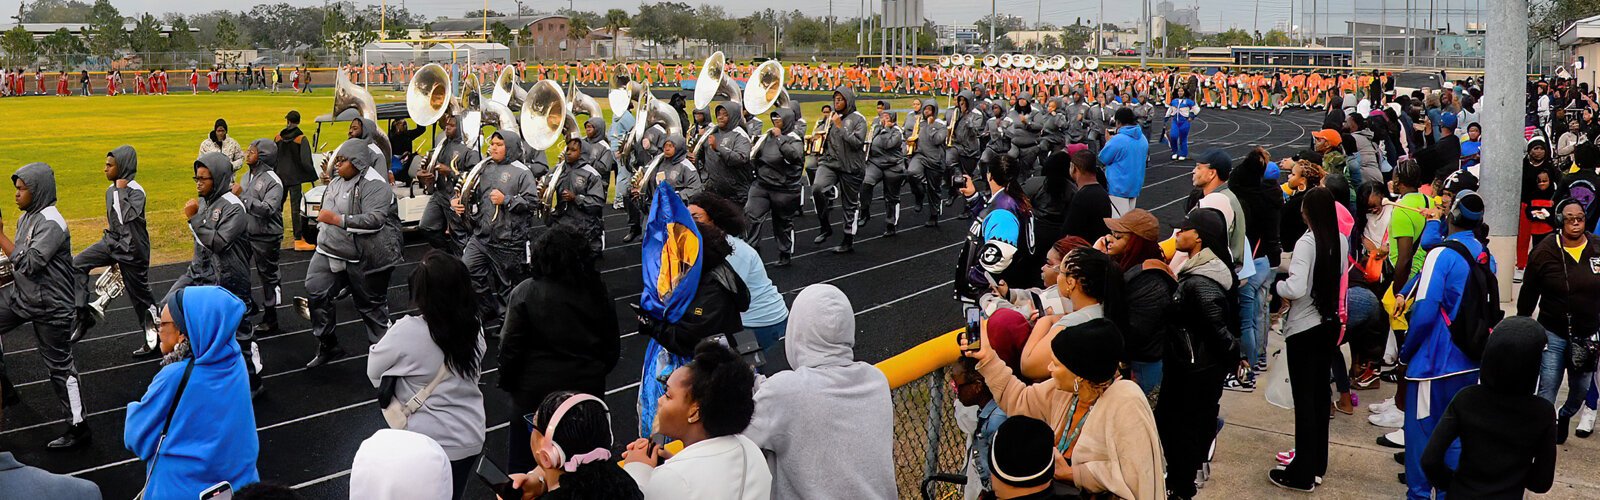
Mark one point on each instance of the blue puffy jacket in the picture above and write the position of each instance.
(1124, 156)
(1428, 351)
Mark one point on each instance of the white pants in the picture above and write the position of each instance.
(1121, 206)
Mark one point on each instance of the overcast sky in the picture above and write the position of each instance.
(1214, 14)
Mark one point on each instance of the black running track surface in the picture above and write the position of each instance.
(311, 422)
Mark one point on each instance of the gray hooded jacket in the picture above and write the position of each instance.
(969, 126)
(366, 206)
(221, 252)
(126, 234)
(727, 168)
(262, 194)
(518, 183)
(830, 402)
(1025, 134)
(931, 134)
(888, 148)
(44, 285)
(844, 152)
(780, 161)
(597, 150)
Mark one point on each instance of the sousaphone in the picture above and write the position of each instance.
(714, 82)
(765, 88)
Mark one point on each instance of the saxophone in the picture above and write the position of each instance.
(911, 142)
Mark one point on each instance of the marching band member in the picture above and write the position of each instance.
(597, 149)
(261, 191)
(962, 157)
(886, 164)
(43, 292)
(673, 168)
(440, 225)
(779, 161)
(125, 243)
(841, 167)
(724, 156)
(358, 246)
(648, 148)
(221, 253)
(1026, 123)
(501, 220)
(582, 193)
(926, 166)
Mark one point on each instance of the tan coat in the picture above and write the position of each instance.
(1119, 451)
(1042, 400)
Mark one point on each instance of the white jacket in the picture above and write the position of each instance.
(723, 468)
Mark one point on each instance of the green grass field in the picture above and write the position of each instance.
(73, 134)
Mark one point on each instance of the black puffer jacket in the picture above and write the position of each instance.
(1150, 293)
(1204, 316)
(715, 309)
(557, 336)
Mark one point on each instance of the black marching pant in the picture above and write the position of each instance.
(782, 205)
(892, 179)
(927, 178)
(494, 271)
(1186, 419)
(265, 253)
(296, 213)
(833, 183)
(327, 279)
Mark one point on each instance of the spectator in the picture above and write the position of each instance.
(21, 481)
(991, 254)
(1094, 284)
(1118, 452)
(986, 416)
(1442, 156)
(1262, 204)
(1366, 148)
(1536, 196)
(1567, 295)
(575, 464)
(266, 491)
(190, 443)
(1507, 442)
(708, 404)
(1406, 228)
(1022, 461)
(1433, 361)
(1212, 170)
(294, 168)
(1206, 348)
(439, 350)
(560, 332)
(767, 315)
(1311, 331)
(1303, 175)
(1091, 205)
(1050, 194)
(1472, 147)
(1568, 142)
(219, 142)
(1132, 244)
(400, 465)
(797, 411)
(1124, 156)
(1022, 299)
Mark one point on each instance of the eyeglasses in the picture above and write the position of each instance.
(201, 179)
(530, 418)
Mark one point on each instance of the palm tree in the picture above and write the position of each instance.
(616, 19)
(577, 29)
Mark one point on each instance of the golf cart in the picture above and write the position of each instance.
(408, 194)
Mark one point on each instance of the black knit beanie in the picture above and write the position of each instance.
(1021, 452)
(1090, 349)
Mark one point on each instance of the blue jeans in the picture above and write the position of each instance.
(1147, 374)
(1252, 312)
(768, 336)
(1551, 366)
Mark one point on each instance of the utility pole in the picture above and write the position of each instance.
(1506, 57)
(1255, 24)
(1100, 36)
(992, 20)
(1144, 20)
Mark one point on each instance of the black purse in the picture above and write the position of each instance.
(1582, 352)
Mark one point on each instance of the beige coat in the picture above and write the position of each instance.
(1119, 451)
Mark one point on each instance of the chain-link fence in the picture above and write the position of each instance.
(927, 441)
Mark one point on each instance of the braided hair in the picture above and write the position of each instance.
(1100, 277)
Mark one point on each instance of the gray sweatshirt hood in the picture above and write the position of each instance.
(599, 128)
(929, 103)
(221, 173)
(822, 328)
(359, 152)
(735, 115)
(41, 181)
(849, 100)
(267, 152)
(514, 151)
(127, 161)
(787, 115)
(679, 147)
(968, 97)
(1207, 264)
(368, 128)
(794, 107)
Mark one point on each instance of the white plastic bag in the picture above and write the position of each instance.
(1277, 381)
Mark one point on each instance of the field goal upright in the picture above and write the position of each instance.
(445, 51)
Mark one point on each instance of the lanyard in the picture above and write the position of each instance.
(1070, 438)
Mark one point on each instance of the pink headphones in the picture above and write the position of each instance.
(555, 451)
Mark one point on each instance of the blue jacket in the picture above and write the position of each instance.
(1428, 350)
(620, 126)
(213, 433)
(1125, 155)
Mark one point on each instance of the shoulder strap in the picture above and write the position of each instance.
(171, 410)
(415, 403)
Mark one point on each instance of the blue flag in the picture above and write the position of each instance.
(672, 254)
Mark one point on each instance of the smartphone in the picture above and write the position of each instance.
(497, 481)
(658, 439)
(1038, 303)
(959, 180)
(219, 491)
(972, 337)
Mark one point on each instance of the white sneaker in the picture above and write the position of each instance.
(1174, 157)
(1394, 418)
(1585, 422)
(1517, 276)
(1385, 406)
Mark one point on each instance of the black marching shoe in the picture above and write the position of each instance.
(783, 260)
(85, 321)
(255, 385)
(8, 392)
(822, 237)
(77, 436)
(633, 234)
(888, 230)
(846, 246)
(146, 350)
(327, 352)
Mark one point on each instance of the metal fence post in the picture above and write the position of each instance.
(935, 406)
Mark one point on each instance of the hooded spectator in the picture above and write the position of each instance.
(400, 465)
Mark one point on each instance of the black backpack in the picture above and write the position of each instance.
(1479, 309)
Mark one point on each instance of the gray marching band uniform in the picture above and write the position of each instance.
(1027, 122)
(44, 286)
(1097, 116)
(676, 171)
(926, 165)
(222, 251)
(497, 255)
(262, 194)
(1077, 119)
(1054, 135)
(126, 243)
(727, 167)
(642, 156)
(583, 213)
(358, 253)
(440, 225)
(886, 164)
(780, 164)
(840, 169)
(967, 146)
(597, 151)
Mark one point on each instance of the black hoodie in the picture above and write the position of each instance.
(126, 234)
(1507, 433)
(1263, 206)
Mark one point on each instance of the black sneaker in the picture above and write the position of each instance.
(1281, 479)
(77, 436)
(783, 260)
(1400, 457)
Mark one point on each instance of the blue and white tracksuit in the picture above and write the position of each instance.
(1179, 111)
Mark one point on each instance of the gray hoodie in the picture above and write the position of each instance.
(262, 194)
(367, 209)
(969, 126)
(780, 161)
(1025, 135)
(221, 252)
(677, 171)
(518, 183)
(453, 415)
(126, 234)
(827, 425)
(930, 135)
(888, 148)
(596, 149)
(42, 257)
(727, 168)
(844, 151)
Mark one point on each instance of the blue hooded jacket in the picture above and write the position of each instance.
(1428, 351)
(1125, 155)
(213, 433)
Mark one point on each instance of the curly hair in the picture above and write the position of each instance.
(727, 216)
(1311, 172)
(562, 255)
(1099, 277)
(724, 386)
